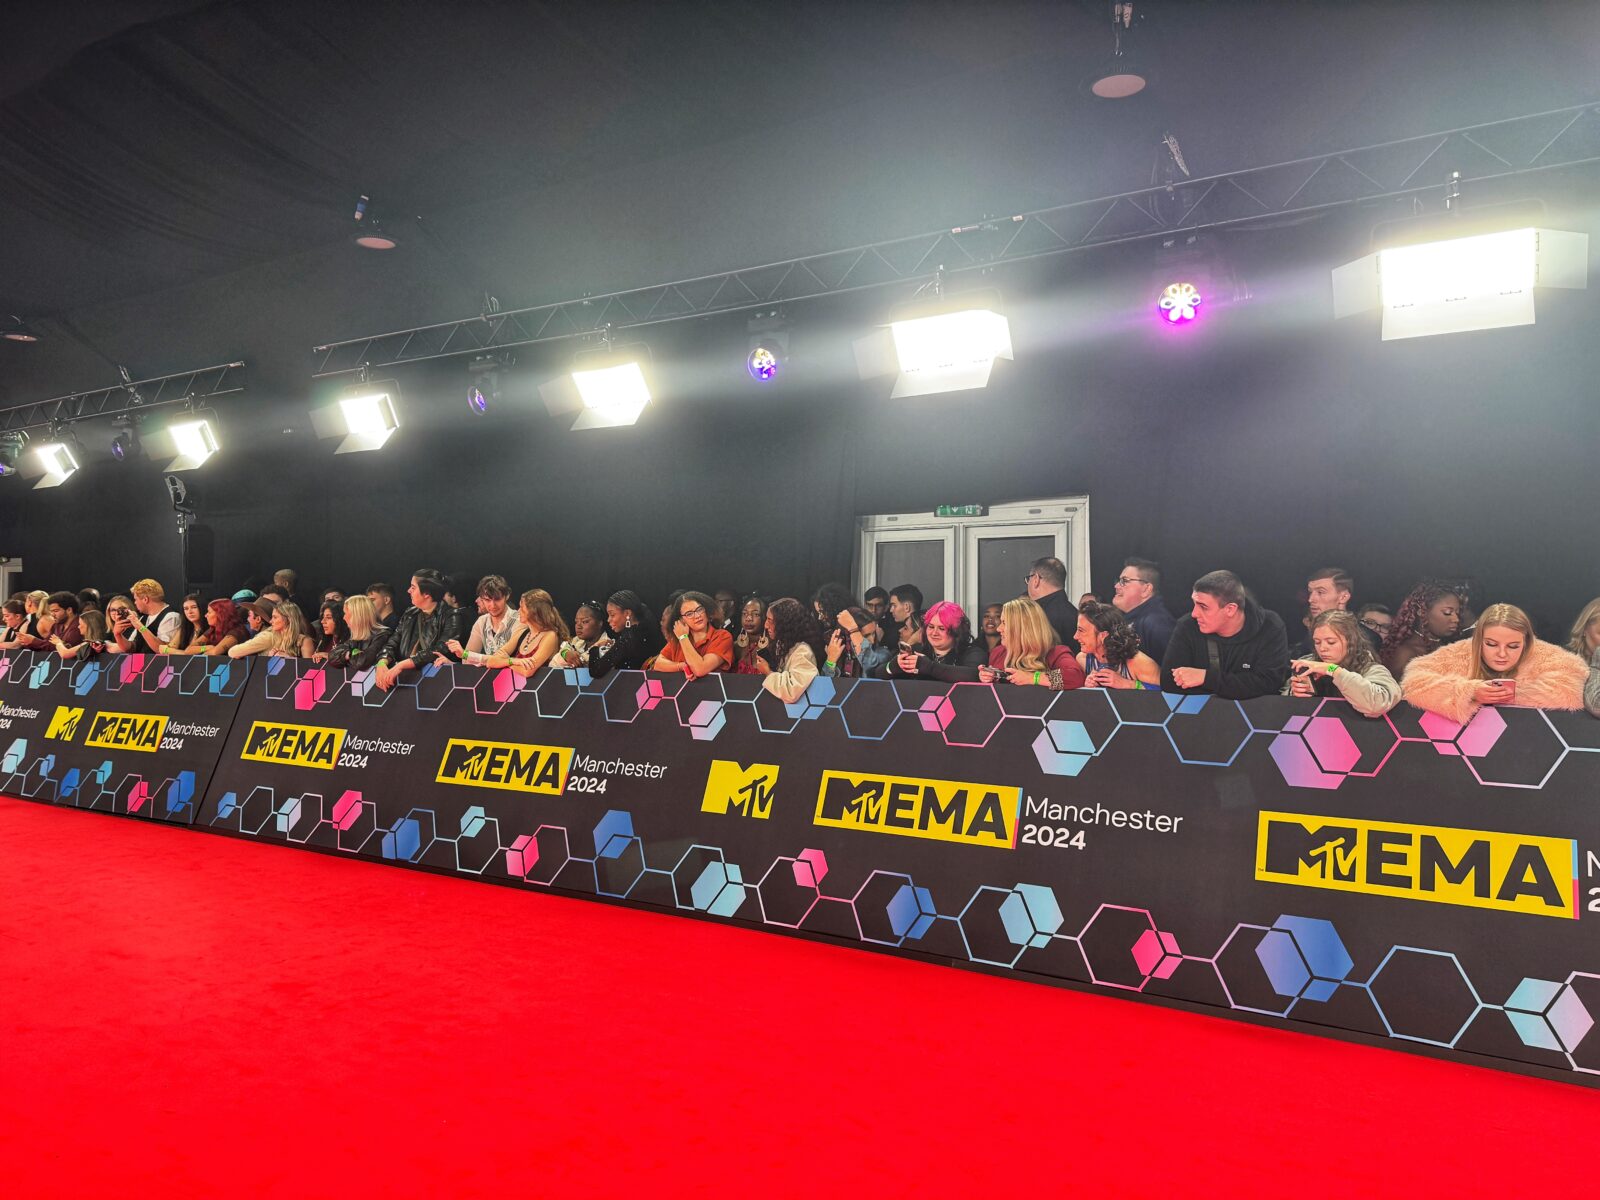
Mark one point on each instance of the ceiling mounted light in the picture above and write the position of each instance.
(15, 329)
(56, 458)
(370, 421)
(948, 344)
(614, 393)
(1125, 73)
(11, 447)
(1179, 302)
(125, 444)
(370, 233)
(484, 379)
(194, 440)
(768, 346)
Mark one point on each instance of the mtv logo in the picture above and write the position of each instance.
(745, 790)
(64, 724)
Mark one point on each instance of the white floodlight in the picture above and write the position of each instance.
(951, 351)
(58, 462)
(369, 421)
(1485, 281)
(194, 440)
(612, 396)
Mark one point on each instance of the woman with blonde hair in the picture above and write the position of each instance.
(1029, 652)
(533, 640)
(361, 648)
(1344, 666)
(1504, 663)
(286, 636)
(1585, 644)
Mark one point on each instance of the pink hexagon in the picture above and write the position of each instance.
(137, 797)
(649, 694)
(1298, 766)
(1482, 732)
(810, 868)
(1331, 742)
(936, 713)
(346, 811)
(522, 855)
(309, 690)
(1147, 952)
(132, 667)
(507, 683)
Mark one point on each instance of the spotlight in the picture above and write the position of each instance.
(1179, 302)
(11, 447)
(57, 458)
(125, 444)
(484, 380)
(370, 233)
(1482, 281)
(949, 344)
(768, 346)
(18, 330)
(477, 402)
(1125, 73)
(194, 440)
(364, 416)
(612, 386)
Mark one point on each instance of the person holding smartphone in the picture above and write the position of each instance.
(1504, 663)
(1344, 665)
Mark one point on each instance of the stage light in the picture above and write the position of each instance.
(57, 460)
(370, 233)
(11, 446)
(18, 330)
(1179, 302)
(612, 395)
(762, 363)
(948, 352)
(1456, 285)
(194, 439)
(477, 402)
(370, 421)
(125, 444)
(1125, 73)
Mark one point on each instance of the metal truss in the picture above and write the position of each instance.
(139, 395)
(1561, 138)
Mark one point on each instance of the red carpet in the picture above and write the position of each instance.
(183, 1014)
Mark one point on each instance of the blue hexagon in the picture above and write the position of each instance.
(88, 674)
(1280, 958)
(719, 890)
(870, 710)
(707, 720)
(402, 840)
(1063, 747)
(472, 821)
(1399, 1013)
(612, 834)
(911, 911)
(817, 697)
(1030, 915)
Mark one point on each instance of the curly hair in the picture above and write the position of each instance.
(793, 623)
(834, 599)
(230, 620)
(1412, 616)
(1121, 640)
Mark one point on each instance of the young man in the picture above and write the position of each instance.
(1047, 581)
(1328, 588)
(905, 617)
(65, 629)
(421, 634)
(876, 602)
(152, 625)
(492, 630)
(382, 597)
(1137, 595)
(1228, 645)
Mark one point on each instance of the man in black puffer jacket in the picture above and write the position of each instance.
(1228, 645)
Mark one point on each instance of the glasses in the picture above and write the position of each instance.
(1029, 578)
(691, 612)
(1128, 580)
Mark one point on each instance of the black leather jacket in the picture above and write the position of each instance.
(419, 636)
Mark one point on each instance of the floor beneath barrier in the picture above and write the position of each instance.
(184, 1014)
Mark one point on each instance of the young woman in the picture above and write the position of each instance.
(751, 643)
(533, 643)
(1029, 652)
(1110, 655)
(1428, 617)
(1585, 637)
(37, 626)
(948, 652)
(92, 626)
(15, 618)
(364, 637)
(227, 628)
(990, 625)
(697, 647)
(286, 636)
(633, 637)
(794, 635)
(331, 631)
(1344, 666)
(588, 629)
(1504, 663)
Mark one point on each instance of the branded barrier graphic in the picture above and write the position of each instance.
(1403, 880)
(134, 734)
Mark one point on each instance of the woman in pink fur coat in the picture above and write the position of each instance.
(1504, 663)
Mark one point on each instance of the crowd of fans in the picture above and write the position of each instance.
(1432, 650)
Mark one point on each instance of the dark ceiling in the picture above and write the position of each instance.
(152, 149)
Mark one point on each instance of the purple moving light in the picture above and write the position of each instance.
(762, 364)
(1179, 302)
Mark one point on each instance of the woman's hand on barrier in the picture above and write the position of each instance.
(1105, 677)
(1021, 675)
(906, 660)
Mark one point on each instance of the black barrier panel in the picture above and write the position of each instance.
(133, 734)
(1404, 880)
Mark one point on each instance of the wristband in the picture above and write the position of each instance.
(830, 663)
(1333, 668)
(1036, 678)
(683, 637)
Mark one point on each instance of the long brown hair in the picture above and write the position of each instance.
(1580, 627)
(1511, 617)
(1357, 653)
(542, 608)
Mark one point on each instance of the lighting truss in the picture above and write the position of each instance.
(1561, 138)
(140, 395)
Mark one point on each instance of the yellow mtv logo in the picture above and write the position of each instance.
(64, 724)
(745, 790)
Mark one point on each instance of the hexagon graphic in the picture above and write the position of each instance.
(1474, 739)
(873, 902)
(309, 690)
(1063, 747)
(86, 676)
(787, 893)
(1108, 940)
(1205, 731)
(1315, 752)
(556, 694)
(1156, 954)
(936, 712)
(1548, 1015)
(911, 912)
(707, 720)
(522, 855)
(1030, 915)
(612, 833)
(986, 933)
(402, 841)
(1424, 996)
(977, 715)
(649, 694)
(869, 711)
(346, 810)
(810, 868)
(817, 697)
(719, 889)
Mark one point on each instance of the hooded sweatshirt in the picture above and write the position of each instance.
(1253, 662)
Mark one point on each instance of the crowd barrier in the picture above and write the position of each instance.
(1404, 881)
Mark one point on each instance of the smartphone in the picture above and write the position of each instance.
(907, 648)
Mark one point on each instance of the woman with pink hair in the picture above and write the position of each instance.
(948, 650)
